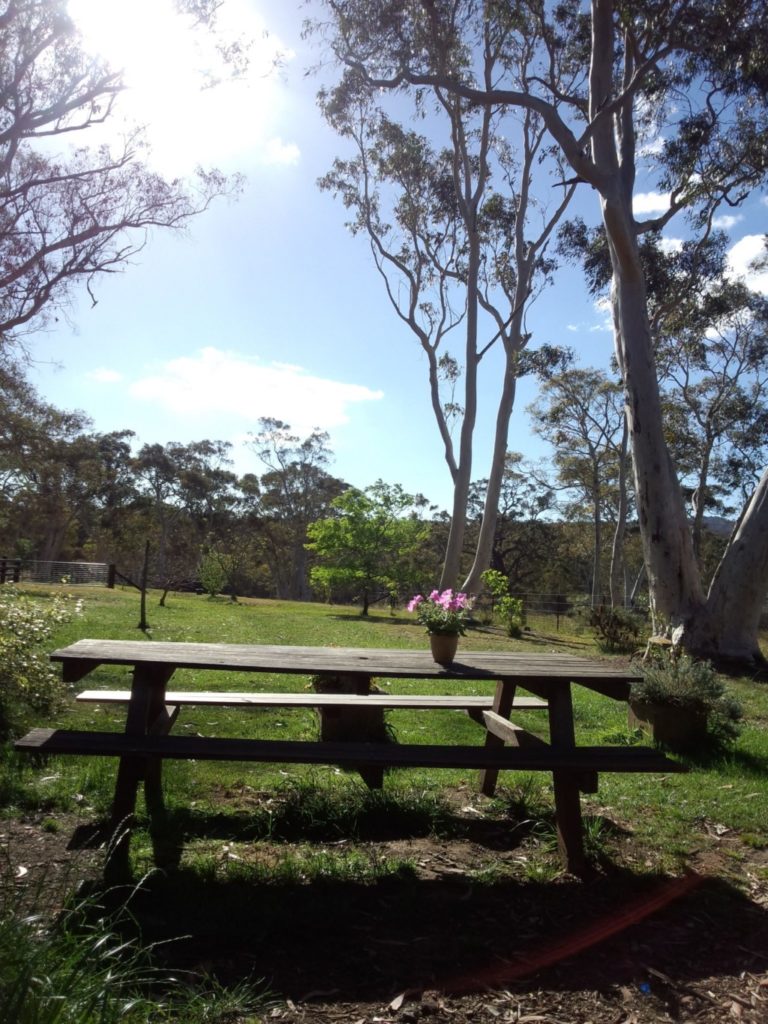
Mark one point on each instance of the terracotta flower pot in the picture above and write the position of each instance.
(444, 647)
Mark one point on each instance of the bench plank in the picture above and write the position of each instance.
(538, 758)
(312, 700)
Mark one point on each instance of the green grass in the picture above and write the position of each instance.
(670, 814)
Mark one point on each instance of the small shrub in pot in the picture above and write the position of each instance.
(685, 702)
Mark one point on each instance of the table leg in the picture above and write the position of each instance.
(146, 703)
(570, 833)
(502, 705)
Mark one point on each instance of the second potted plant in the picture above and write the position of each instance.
(683, 703)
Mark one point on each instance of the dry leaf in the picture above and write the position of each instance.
(21, 871)
(397, 1002)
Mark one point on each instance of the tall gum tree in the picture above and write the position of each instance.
(460, 245)
(697, 65)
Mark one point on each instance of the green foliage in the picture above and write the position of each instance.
(694, 686)
(618, 631)
(372, 546)
(28, 682)
(212, 572)
(510, 609)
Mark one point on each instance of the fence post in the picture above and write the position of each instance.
(111, 574)
(3, 566)
(17, 570)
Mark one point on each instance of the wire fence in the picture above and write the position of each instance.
(547, 612)
(18, 570)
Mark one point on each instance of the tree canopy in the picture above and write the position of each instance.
(70, 212)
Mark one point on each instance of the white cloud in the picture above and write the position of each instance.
(742, 255)
(216, 382)
(671, 245)
(653, 147)
(726, 221)
(279, 152)
(650, 202)
(101, 375)
(604, 309)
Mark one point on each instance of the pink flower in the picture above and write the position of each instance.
(414, 603)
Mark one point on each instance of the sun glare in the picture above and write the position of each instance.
(167, 62)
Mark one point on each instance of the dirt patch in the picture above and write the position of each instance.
(447, 944)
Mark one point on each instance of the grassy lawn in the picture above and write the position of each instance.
(668, 817)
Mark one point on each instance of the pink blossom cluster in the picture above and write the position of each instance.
(441, 612)
(449, 601)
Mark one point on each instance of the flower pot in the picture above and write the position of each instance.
(677, 728)
(444, 647)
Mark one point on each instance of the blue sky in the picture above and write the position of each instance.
(268, 306)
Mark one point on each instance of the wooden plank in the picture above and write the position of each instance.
(311, 700)
(503, 699)
(386, 662)
(509, 731)
(565, 784)
(543, 758)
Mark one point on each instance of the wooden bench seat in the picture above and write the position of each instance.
(310, 699)
(536, 758)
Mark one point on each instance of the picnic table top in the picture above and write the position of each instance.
(390, 662)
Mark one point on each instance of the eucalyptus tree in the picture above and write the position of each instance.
(717, 384)
(186, 490)
(581, 414)
(295, 491)
(522, 542)
(459, 236)
(711, 342)
(689, 74)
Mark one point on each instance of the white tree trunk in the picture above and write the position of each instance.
(463, 477)
(673, 576)
(482, 560)
(726, 630)
(616, 580)
(597, 528)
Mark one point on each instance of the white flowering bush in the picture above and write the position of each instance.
(28, 682)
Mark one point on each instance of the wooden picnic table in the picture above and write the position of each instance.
(506, 745)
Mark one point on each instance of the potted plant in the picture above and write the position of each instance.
(683, 703)
(444, 615)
